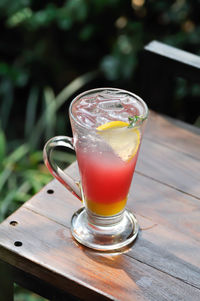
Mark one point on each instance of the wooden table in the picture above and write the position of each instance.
(36, 246)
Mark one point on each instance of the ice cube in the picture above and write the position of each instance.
(110, 105)
(128, 100)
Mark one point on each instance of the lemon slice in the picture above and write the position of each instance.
(123, 140)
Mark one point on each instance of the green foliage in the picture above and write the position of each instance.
(54, 39)
(22, 172)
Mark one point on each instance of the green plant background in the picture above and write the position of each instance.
(52, 50)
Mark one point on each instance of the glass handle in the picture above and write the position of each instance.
(54, 169)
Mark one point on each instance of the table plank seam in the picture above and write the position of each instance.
(157, 269)
(168, 185)
(47, 217)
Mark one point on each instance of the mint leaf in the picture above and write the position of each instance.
(133, 120)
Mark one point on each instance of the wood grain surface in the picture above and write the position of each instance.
(163, 263)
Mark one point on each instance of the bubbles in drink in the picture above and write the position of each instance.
(108, 105)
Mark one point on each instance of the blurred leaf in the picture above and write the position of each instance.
(36, 179)
(62, 97)
(19, 17)
(2, 146)
(31, 110)
(12, 75)
(74, 86)
(4, 176)
(50, 109)
(11, 7)
(65, 23)
(5, 203)
(77, 9)
(15, 156)
(36, 157)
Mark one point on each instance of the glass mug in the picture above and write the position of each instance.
(107, 126)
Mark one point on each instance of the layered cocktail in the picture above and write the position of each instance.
(107, 127)
(108, 157)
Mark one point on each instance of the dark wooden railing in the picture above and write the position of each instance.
(161, 64)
